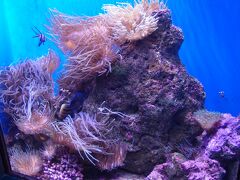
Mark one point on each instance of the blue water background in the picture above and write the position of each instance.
(210, 52)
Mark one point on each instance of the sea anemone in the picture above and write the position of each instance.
(78, 34)
(49, 150)
(92, 44)
(50, 62)
(114, 156)
(84, 68)
(131, 23)
(88, 43)
(27, 93)
(35, 114)
(36, 124)
(25, 162)
(83, 133)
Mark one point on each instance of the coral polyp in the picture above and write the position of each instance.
(65, 165)
(208, 120)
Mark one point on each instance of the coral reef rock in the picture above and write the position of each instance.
(198, 169)
(152, 95)
(125, 175)
(203, 168)
(169, 170)
(217, 157)
(225, 143)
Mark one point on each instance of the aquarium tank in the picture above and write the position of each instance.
(127, 89)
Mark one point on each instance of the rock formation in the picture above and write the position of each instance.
(155, 96)
(217, 158)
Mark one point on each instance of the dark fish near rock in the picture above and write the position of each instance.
(73, 105)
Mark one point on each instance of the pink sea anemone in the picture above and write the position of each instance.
(92, 43)
(82, 133)
(27, 93)
(49, 150)
(114, 156)
(88, 43)
(25, 162)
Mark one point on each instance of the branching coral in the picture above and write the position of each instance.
(83, 133)
(27, 93)
(28, 163)
(131, 23)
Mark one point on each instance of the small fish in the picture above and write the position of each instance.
(221, 94)
(64, 111)
(72, 106)
(41, 36)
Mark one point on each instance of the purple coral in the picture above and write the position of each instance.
(219, 148)
(180, 168)
(225, 143)
(64, 166)
(203, 168)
